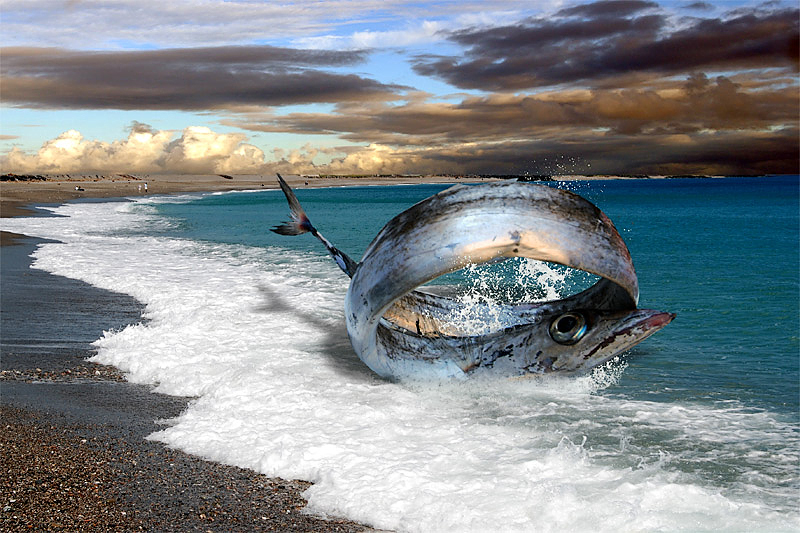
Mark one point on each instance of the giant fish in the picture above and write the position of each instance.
(402, 331)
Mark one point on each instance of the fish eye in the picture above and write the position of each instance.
(568, 328)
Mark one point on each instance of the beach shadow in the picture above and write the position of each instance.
(336, 346)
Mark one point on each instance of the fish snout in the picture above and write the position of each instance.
(639, 324)
(650, 319)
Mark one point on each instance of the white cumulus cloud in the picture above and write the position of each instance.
(198, 149)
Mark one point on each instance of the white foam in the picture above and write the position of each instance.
(486, 288)
(257, 335)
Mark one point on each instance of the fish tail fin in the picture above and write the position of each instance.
(301, 224)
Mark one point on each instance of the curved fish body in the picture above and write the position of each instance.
(401, 331)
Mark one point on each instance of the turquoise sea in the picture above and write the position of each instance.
(695, 429)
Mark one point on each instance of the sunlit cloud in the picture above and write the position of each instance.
(196, 150)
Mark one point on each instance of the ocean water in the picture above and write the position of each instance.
(696, 429)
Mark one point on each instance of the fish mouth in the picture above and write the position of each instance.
(641, 323)
(651, 319)
(632, 328)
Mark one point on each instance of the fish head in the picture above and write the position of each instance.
(570, 340)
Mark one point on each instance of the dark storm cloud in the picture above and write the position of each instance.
(611, 8)
(703, 6)
(728, 153)
(603, 40)
(186, 79)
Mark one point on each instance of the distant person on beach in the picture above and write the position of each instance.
(145, 187)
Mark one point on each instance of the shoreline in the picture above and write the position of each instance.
(48, 419)
(74, 441)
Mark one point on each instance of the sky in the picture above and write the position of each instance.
(399, 87)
